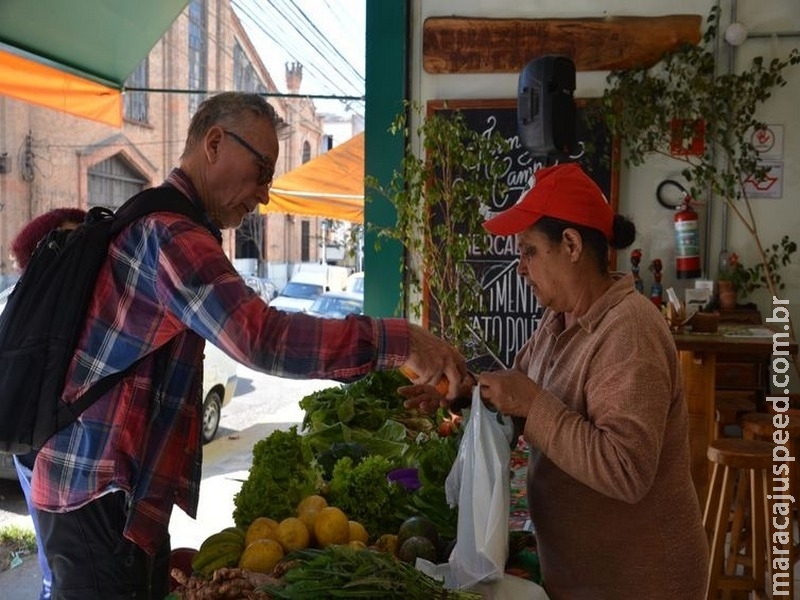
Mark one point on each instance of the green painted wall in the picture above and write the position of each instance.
(386, 87)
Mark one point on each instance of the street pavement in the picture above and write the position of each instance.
(261, 405)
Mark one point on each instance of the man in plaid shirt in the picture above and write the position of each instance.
(105, 485)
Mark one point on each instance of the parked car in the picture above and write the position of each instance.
(297, 296)
(7, 470)
(332, 277)
(337, 305)
(263, 287)
(219, 385)
(355, 283)
(4, 296)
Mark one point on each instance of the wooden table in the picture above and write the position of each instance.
(698, 359)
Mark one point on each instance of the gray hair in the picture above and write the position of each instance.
(228, 108)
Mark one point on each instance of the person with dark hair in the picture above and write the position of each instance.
(27, 238)
(22, 248)
(105, 485)
(597, 393)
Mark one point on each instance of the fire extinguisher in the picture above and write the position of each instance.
(672, 195)
(687, 241)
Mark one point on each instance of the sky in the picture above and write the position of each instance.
(325, 36)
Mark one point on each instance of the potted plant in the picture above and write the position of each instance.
(439, 197)
(683, 97)
(730, 280)
(743, 281)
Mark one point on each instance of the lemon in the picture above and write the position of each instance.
(261, 528)
(308, 509)
(292, 534)
(331, 527)
(314, 502)
(261, 556)
(357, 532)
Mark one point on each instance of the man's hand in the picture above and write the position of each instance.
(431, 358)
(428, 398)
(425, 398)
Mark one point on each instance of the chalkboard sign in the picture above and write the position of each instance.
(509, 312)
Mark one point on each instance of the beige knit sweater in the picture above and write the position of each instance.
(609, 484)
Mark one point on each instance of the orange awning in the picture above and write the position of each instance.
(47, 86)
(330, 185)
(75, 56)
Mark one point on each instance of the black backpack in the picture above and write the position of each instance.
(44, 315)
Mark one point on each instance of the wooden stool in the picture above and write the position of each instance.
(761, 426)
(746, 463)
(729, 407)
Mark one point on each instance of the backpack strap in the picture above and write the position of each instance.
(165, 198)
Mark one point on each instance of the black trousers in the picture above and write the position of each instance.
(91, 560)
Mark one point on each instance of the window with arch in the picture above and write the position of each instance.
(114, 180)
(306, 152)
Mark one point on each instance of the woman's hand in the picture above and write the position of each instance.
(509, 391)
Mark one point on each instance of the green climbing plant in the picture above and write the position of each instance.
(438, 197)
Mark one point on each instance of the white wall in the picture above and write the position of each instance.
(637, 188)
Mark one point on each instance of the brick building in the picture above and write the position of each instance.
(49, 159)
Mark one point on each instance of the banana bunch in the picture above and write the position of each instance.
(221, 549)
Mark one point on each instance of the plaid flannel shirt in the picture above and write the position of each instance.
(167, 278)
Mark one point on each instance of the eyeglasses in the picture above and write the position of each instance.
(267, 168)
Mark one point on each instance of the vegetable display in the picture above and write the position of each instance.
(226, 583)
(364, 493)
(283, 473)
(314, 500)
(363, 404)
(343, 572)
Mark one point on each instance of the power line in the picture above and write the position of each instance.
(265, 94)
(326, 41)
(286, 36)
(301, 40)
(282, 18)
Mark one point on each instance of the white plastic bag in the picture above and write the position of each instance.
(479, 483)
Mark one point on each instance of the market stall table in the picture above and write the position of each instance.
(698, 359)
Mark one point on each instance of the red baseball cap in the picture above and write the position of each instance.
(563, 192)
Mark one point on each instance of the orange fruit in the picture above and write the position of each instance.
(261, 556)
(331, 527)
(261, 528)
(387, 543)
(308, 509)
(314, 502)
(357, 532)
(357, 545)
(292, 534)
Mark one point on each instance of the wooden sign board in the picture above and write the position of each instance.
(473, 45)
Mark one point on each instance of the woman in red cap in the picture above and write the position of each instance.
(598, 392)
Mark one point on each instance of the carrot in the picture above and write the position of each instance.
(442, 387)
